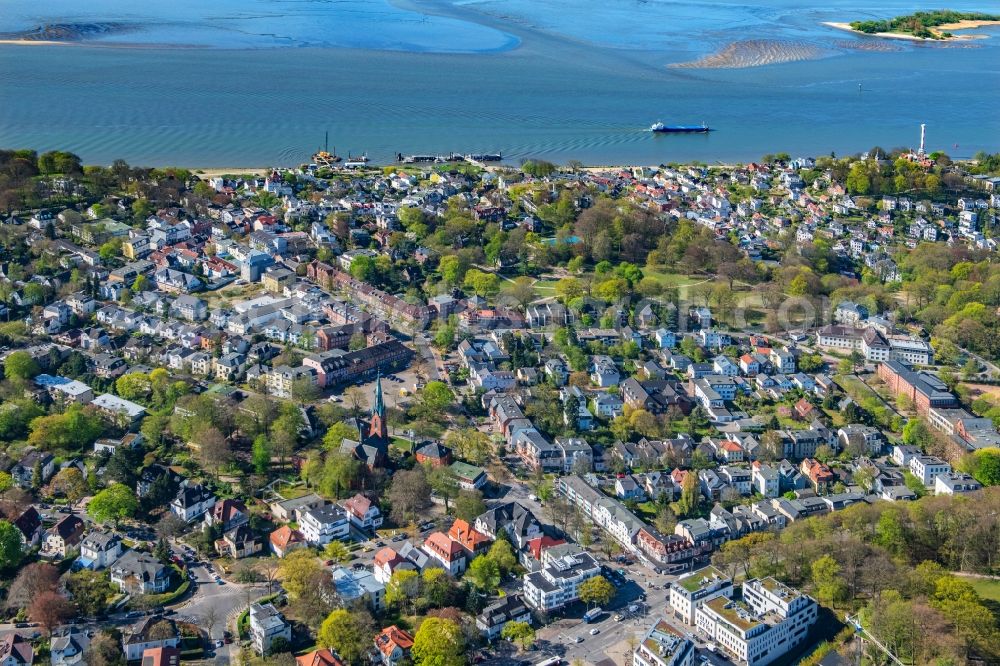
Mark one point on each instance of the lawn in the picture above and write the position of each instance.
(545, 288)
(402, 444)
(987, 588)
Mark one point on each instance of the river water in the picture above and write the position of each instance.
(259, 82)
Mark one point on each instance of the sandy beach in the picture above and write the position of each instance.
(754, 53)
(214, 172)
(965, 25)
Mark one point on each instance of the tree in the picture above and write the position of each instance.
(402, 588)
(113, 504)
(214, 451)
(439, 642)
(470, 444)
(596, 591)
(409, 495)
(520, 634)
(690, 494)
(336, 434)
(481, 283)
(104, 650)
(436, 396)
(502, 553)
(300, 570)
(90, 591)
(521, 291)
(31, 581)
(913, 483)
(443, 482)
(133, 386)
(347, 632)
(830, 587)
(484, 574)
(20, 365)
(337, 551)
(10, 545)
(69, 483)
(50, 609)
(984, 465)
(469, 504)
(261, 454)
(665, 520)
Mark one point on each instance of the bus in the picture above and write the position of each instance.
(551, 661)
(592, 615)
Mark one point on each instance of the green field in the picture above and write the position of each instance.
(987, 588)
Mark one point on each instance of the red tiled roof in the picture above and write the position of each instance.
(390, 638)
(462, 533)
(284, 536)
(439, 543)
(318, 658)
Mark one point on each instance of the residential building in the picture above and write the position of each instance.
(469, 477)
(99, 549)
(148, 634)
(15, 650)
(363, 513)
(64, 536)
(161, 656)
(358, 585)
(392, 645)
(769, 621)
(557, 583)
(928, 468)
(323, 524)
(284, 540)
(495, 617)
(923, 389)
(663, 646)
(691, 590)
(321, 657)
(266, 625)
(66, 646)
(191, 502)
(953, 483)
(227, 514)
(449, 554)
(140, 573)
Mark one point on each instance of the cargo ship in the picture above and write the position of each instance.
(680, 129)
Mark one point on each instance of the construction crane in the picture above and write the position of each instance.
(860, 630)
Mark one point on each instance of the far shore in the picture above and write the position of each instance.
(36, 42)
(961, 25)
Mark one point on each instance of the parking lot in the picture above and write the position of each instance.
(640, 602)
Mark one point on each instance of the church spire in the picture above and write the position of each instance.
(379, 408)
(377, 426)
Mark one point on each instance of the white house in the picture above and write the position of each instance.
(267, 624)
(769, 621)
(192, 502)
(363, 513)
(323, 524)
(928, 468)
(100, 549)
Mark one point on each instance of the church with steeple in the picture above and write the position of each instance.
(377, 428)
(372, 446)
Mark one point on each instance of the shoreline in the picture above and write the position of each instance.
(846, 27)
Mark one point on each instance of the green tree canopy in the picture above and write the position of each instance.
(113, 504)
(439, 642)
